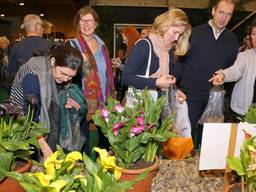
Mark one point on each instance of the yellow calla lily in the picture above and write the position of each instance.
(43, 179)
(108, 162)
(73, 157)
(117, 173)
(52, 163)
(58, 185)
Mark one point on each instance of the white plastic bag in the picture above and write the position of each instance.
(182, 122)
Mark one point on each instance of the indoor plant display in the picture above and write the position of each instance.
(73, 172)
(134, 133)
(18, 140)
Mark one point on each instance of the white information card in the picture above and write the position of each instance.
(215, 143)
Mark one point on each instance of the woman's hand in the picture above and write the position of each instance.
(164, 82)
(217, 79)
(116, 62)
(72, 103)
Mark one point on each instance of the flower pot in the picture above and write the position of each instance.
(236, 187)
(145, 184)
(12, 185)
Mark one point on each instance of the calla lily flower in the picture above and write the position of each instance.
(108, 162)
(73, 157)
(136, 130)
(119, 108)
(43, 179)
(58, 185)
(140, 120)
(104, 112)
(116, 127)
(52, 163)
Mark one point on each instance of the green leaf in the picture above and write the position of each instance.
(6, 160)
(91, 167)
(236, 164)
(28, 187)
(122, 186)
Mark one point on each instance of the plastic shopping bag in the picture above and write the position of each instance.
(182, 122)
(214, 111)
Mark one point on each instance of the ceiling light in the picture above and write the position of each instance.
(21, 4)
(41, 14)
(2, 15)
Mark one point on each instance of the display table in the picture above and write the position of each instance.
(183, 176)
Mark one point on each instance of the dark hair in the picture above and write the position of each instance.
(66, 56)
(250, 27)
(228, 1)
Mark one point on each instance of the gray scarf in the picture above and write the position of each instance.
(49, 97)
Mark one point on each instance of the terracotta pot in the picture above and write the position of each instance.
(144, 185)
(9, 184)
(234, 188)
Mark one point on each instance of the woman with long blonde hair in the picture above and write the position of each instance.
(170, 34)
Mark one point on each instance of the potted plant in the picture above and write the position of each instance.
(74, 172)
(245, 166)
(18, 140)
(135, 133)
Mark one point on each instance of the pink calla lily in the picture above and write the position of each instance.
(116, 127)
(104, 113)
(119, 108)
(136, 130)
(140, 120)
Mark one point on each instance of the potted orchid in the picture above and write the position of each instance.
(134, 133)
(74, 172)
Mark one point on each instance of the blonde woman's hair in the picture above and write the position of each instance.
(174, 17)
(5, 41)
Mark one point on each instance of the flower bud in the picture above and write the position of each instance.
(104, 113)
(119, 108)
(136, 130)
(140, 120)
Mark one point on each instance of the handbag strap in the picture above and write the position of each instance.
(149, 57)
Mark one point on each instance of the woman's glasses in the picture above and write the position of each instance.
(84, 21)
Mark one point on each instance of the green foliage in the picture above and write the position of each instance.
(245, 166)
(134, 133)
(18, 140)
(73, 172)
(250, 116)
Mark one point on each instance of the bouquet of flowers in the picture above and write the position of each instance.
(134, 133)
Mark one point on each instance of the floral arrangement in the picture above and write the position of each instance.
(134, 133)
(73, 172)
